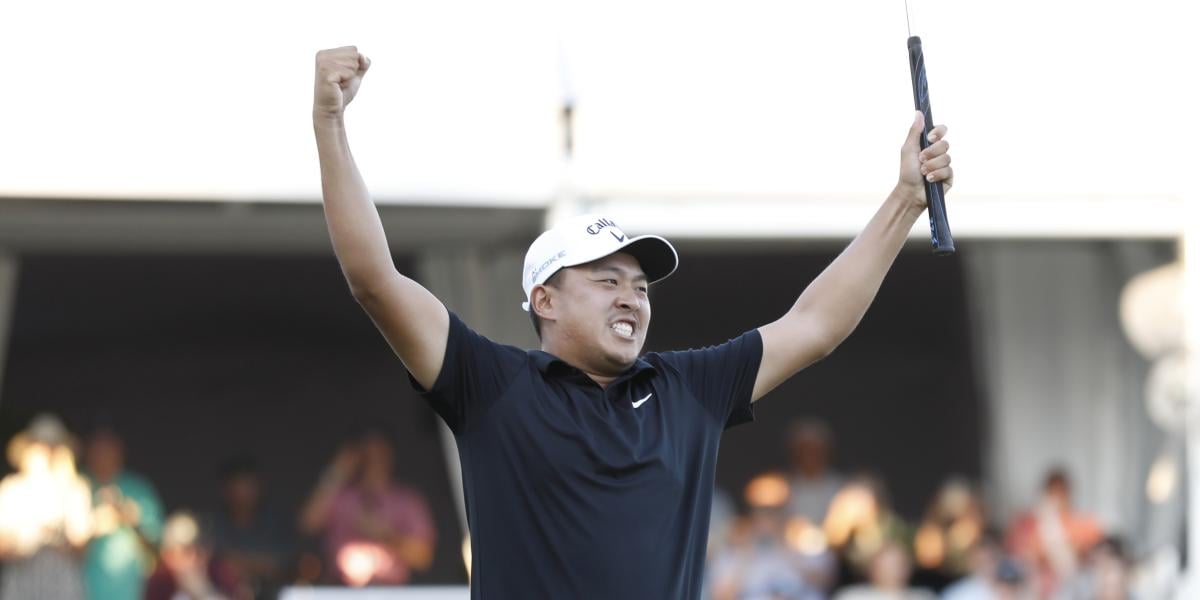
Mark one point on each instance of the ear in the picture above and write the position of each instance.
(541, 302)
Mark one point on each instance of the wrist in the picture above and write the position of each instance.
(328, 121)
(910, 198)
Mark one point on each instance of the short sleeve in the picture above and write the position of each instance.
(149, 506)
(722, 377)
(475, 371)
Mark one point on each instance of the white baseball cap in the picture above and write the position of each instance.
(585, 238)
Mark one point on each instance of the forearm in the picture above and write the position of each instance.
(839, 297)
(415, 551)
(353, 221)
(833, 304)
(315, 514)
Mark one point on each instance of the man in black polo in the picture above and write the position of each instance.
(588, 467)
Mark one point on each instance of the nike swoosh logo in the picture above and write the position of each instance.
(638, 403)
(620, 238)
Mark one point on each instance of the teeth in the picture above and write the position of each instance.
(624, 329)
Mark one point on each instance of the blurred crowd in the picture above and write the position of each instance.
(810, 533)
(97, 530)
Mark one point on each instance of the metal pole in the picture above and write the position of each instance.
(1190, 256)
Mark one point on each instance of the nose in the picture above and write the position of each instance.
(628, 299)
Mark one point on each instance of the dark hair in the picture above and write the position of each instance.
(237, 466)
(1114, 545)
(533, 316)
(1057, 476)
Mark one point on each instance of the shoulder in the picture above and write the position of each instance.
(463, 334)
(665, 362)
(131, 482)
(749, 342)
(403, 493)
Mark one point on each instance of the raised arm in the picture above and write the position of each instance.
(833, 304)
(414, 322)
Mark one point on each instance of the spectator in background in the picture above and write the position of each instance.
(128, 522)
(251, 540)
(757, 563)
(1105, 576)
(993, 576)
(888, 572)
(720, 520)
(376, 531)
(1052, 536)
(860, 521)
(187, 569)
(952, 526)
(813, 485)
(45, 515)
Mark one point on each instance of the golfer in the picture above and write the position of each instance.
(588, 466)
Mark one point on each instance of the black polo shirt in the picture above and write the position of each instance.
(577, 491)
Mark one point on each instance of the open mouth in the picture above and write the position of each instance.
(623, 329)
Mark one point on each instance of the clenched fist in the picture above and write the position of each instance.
(339, 73)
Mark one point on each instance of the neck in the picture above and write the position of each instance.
(565, 355)
(892, 586)
(375, 482)
(601, 380)
(242, 515)
(811, 473)
(104, 477)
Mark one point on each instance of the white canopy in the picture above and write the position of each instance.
(784, 117)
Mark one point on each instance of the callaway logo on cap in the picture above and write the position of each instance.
(585, 238)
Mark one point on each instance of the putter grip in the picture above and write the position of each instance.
(939, 227)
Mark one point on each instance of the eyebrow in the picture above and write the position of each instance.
(639, 276)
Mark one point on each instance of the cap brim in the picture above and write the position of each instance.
(656, 255)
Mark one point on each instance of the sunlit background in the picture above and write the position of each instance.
(166, 278)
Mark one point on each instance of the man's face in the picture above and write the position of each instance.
(242, 491)
(1058, 494)
(378, 456)
(890, 568)
(810, 454)
(105, 455)
(602, 312)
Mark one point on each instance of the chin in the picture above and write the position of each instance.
(624, 358)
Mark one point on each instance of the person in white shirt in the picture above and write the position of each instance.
(889, 572)
(812, 483)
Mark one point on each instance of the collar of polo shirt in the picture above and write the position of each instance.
(584, 238)
(544, 361)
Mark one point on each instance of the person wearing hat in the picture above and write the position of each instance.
(45, 515)
(588, 466)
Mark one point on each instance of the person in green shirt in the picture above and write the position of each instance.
(128, 520)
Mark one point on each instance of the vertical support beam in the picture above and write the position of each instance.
(8, 299)
(1190, 255)
(483, 287)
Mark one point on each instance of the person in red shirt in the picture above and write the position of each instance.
(376, 531)
(1053, 536)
